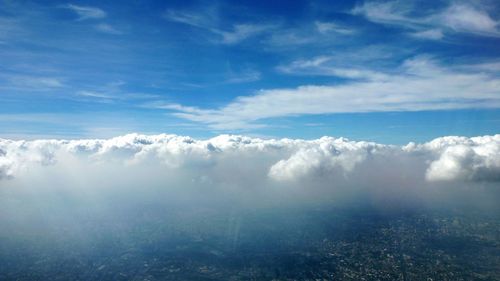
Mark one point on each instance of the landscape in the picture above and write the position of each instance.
(250, 140)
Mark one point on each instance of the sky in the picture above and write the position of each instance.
(390, 72)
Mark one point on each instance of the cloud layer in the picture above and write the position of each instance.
(243, 162)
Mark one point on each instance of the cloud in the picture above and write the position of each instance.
(457, 17)
(328, 27)
(392, 12)
(85, 12)
(241, 32)
(466, 18)
(106, 28)
(323, 157)
(327, 66)
(418, 84)
(9, 27)
(30, 82)
(474, 159)
(433, 34)
(244, 162)
(200, 20)
(244, 76)
(311, 34)
(208, 21)
(6, 169)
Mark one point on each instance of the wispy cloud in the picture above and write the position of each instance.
(311, 33)
(393, 12)
(248, 75)
(9, 27)
(201, 20)
(30, 82)
(457, 17)
(241, 32)
(112, 92)
(86, 12)
(466, 18)
(329, 27)
(94, 94)
(421, 84)
(106, 28)
(432, 34)
(325, 66)
(287, 38)
(208, 21)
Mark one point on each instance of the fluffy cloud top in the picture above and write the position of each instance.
(242, 161)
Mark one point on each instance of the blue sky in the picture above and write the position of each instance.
(390, 72)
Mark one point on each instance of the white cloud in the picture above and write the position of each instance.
(466, 18)
(200, 20)
(323, 157)
(241, 32)
(85, 12)
(94, 94)
(29, 82)
(434, 34)
(392, 12)
(106, 28)
(245, 76)
(208, 21)
(313, 34)
(457, 17)
(326, 66)
(328, 27)
(242, 162)
(418, 84)
(474, 159)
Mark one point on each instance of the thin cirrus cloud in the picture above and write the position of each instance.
(106, 28)
(245, 76)
(86, 12)
(208, 21)
(420, 84)
(329, 27)
(326, 66)
(94, 13)
(433, 34)
(33, 83)
(460, 17)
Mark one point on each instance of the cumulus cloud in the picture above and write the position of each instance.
(322, 157)
(244, 162)
(474, 159)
